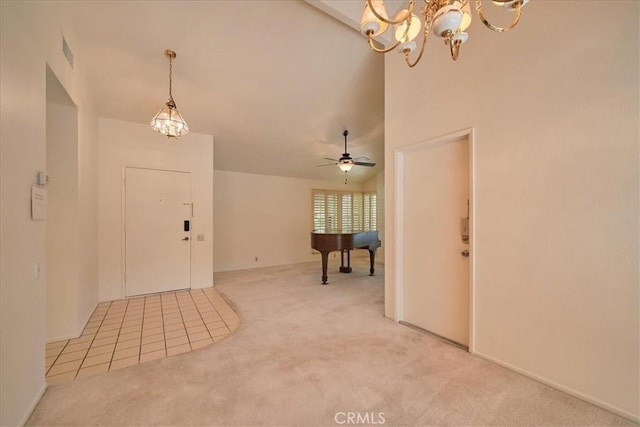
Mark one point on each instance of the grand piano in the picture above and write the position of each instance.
(325, 242)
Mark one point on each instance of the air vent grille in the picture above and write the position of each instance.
(67, 52)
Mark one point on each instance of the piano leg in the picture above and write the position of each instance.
(346, 269)
(325, 260)
(372, 260)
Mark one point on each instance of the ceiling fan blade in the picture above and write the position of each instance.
(361, 158)
(328, 164)
(364, 164)
(332, 160)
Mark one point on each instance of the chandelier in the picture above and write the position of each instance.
(168, 121)
(446, 18)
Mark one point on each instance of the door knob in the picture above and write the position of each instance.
(465, 253)
(186, 238)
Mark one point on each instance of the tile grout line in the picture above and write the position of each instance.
(166, 345)
(144, 312)
(164, 330)
(115, 344)
(93, 339)
(216, 309)
(220, 314)
(56, 359)
(200, 314)
(184, 325)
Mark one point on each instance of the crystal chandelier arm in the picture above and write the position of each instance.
(384, 50)
(424, 43)
(390, 21)
(517, 7)
(427, 13)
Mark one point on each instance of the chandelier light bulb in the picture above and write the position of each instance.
(466, 16)
(407, 31)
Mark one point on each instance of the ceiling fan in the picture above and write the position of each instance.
(346, 162)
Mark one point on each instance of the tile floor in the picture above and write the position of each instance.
(126, 332)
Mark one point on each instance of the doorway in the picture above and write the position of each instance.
(434, 211)
(158, 213)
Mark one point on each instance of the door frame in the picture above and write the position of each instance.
(399, 176)
(123, 222)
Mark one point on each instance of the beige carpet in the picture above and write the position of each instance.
(306, 355)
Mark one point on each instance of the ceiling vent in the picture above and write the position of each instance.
(67, 52)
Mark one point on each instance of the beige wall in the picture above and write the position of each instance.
(555, 113)
(87, 212)
(124, 144)
(30, 39)
(262, 216)
(62, 218)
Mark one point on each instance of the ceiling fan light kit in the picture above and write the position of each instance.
(445, 18)
(346, 162)
(169, 121)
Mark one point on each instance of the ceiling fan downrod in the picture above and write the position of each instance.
(345, 154)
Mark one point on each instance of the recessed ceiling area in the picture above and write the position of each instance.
(275, 82)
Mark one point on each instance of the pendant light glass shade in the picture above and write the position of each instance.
(345, 166)
(169, 121)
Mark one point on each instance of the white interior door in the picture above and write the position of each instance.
(157, 247)
(435, 272)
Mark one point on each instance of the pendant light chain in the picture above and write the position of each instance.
(171, 80)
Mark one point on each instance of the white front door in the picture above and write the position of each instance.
(157, 245)
(435, 271)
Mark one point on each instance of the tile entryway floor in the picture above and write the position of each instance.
(126, 332)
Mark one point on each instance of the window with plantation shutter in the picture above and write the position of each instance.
(319, 211)
(343, 211)
(370, 211)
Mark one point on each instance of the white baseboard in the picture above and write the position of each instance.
(33, 404)
(73, 335)
(565, 389)
(201, 286)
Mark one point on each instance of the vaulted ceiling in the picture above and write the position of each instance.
(275, 82)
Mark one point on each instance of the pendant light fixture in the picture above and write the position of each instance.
(168, 121)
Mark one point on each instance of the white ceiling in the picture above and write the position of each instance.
(275, 82)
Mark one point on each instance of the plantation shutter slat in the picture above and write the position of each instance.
(367, 212)
(357, 214)
(333, 218)
(347, 213)
(373, 216)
